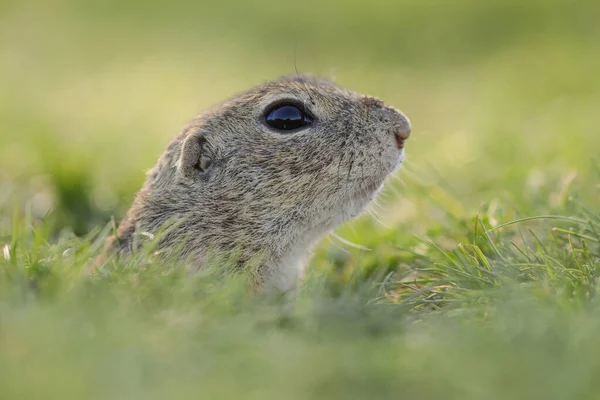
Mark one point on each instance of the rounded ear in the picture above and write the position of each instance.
(194, 158)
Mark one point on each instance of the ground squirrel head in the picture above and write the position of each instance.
(270, 171)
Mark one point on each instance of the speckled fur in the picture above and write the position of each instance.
(232, 182)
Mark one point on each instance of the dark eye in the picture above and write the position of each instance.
(287, 117)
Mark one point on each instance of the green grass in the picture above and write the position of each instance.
(482, 276)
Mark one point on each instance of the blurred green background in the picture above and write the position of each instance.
(504, 98)
(503, 95)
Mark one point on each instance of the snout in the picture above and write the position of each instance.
(394, 120)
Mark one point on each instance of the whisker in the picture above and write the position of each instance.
(374, 215)
(376, 204)
(336, 244)
(395, 190)
(349, 243)
(350, 168)
(397, 178)
(345, 140)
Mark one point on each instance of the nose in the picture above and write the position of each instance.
(394, 119)
(401, 127)
(402, 134)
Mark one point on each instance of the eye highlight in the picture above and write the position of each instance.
(287, 117)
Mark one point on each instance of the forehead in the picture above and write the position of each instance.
(312, 91)
(303, 80)
(302, 86)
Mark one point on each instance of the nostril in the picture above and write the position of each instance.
(401, 135)
(399, 140)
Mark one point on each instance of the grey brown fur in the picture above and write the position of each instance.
(232, 182)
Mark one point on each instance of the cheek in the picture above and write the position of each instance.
(307, 155)
(382, 151)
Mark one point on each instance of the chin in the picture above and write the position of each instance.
(397, 161)
(360, 197)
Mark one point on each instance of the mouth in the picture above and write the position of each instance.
(374, 187)
(367, 189)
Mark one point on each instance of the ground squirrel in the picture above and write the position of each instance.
(269, 172)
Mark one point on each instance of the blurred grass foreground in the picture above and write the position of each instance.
(481, 281)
